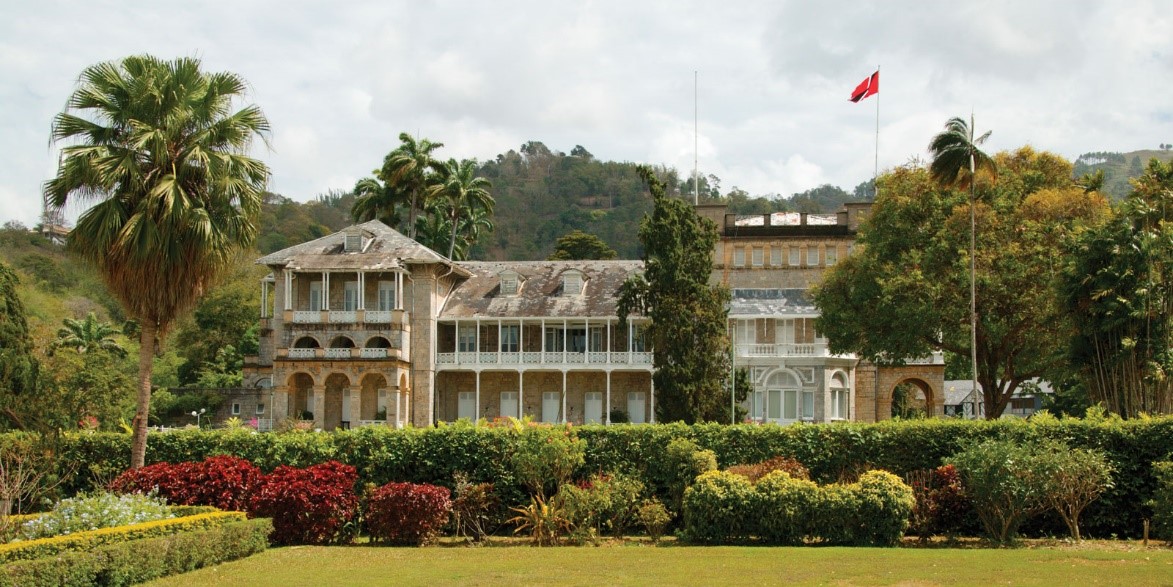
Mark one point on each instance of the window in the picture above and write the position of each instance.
(639, 341)
(235, 408)
(746, 331)
(758, 256)
(509, 283)
(839, 404)
(790, 404)
(571, 283)
(775, 256)
(555, 340)
(551, 406)
(466, 339)
(315, 296)
(774, 404)
(636, 407)
(509, 404)
(510, 338)
(595, 340)
(466, 406)
(812, 256)
(592, 412)
(577, 340)
(832, 255)
(350, 296)
(739, 257)
(354, 242)
(784, 331)
(386, 296)
(260, 409)
(808, 405)
(795, 256)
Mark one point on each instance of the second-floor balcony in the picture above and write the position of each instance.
(538, 358)
(348, 316)
(817, 349)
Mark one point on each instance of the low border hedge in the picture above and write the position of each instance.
(138, 561)
(83, 541)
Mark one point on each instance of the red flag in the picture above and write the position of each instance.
(867, 87)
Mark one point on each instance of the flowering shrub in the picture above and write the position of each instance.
(602, 504)
(474, 508)
(223, 482)
(103, 510)
(654, 517)
(407, 513)
(545, 456)
(942, 506)
(315, 505)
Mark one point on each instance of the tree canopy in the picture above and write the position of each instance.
(904, 292)
(577, 245)
(160, 150)
(688, 330)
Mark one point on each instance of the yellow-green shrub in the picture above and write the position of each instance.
(719, 508)
(784, 506)
(82, 541)
(139, 561)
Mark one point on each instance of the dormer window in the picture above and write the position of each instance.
(510, 283)
(355, 240)
(572, 283)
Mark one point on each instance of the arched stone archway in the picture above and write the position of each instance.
(336, 392)
(923, 397)
(874, 385)
(300, 390)
(372, 397)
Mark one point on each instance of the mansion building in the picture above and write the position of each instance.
(368, 327)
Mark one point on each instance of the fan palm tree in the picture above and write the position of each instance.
(158, 148)
(88, 335)
(465, 194)
(957, 159)
(408, 168)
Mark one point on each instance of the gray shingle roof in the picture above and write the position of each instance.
(387, 250)
(770, 302)
(540, 292)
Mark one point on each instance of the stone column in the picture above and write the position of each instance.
(320, 406)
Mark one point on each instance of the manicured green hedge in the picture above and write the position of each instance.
(82, 541)
(830, 451)
(138, 561)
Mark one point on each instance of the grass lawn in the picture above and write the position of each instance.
(1106, 563)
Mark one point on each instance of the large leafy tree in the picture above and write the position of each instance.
(161, 149)
(376, 199)
(466, 196)
(903, 292)
(688, 332)
(18, 367)
(1119, 288)
(957, 159)
(88, 335)
(579, 245)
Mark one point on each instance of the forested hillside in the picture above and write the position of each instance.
(1119, 168)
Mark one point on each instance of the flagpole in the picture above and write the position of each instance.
(876, 168)
(696, 189)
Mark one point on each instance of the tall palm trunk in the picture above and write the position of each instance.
(973, 272)
(146, 356)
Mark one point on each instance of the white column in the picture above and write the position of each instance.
(652, 379)
(498, 341)
(587, 338)
(565, 331)
(563, 395)
(477, 414)
(607, 408)
(542, 340)
(288, 289)
(457, 347)
(608, 349)
(629, 342)
(399, 290)
(520, 394)
(362, 290)
(325, 291)
(476, 342)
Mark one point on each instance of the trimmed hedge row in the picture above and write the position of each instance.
(138, 561)
(830, 451)
(83, 541)
(727, 508)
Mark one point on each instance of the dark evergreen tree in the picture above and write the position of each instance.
(18, 367)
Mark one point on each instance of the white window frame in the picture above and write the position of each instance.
(350, 296)
(508, 398)
(551, 405)
(260, 409)
(840, 404)
(587, 399)
(554, 340)
(235, 408)
(807, 397)
(758, 257)
(637, 398)
(812, 256)
(510, 338)
(386, 296)
(775, 256)
(795, 256)
(466, 405)
(739, 256)
(466, 338)
(315, 300)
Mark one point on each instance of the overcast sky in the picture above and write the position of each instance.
(340, 80)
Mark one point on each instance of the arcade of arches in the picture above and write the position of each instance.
(345, 398)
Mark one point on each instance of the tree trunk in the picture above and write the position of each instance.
(452, 240)
(146, 356)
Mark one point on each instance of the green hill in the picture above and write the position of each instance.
(1119, 168)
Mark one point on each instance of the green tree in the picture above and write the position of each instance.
(376, 199)
(1119, 289)
(409, 170)
(222, 319)
(578, 245)
(956, 163)
(160, 148)
(902, 292)
(688, 331)
(466, 195)
(88, 335)
(19, 369)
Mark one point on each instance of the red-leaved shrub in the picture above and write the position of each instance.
(222, 481)
(315, 505)
(942, 506)
(407, 513)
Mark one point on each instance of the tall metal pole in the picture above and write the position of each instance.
(696, 187)
(876, 168)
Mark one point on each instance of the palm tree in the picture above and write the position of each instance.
(88, 335)
(376, 200)
(956, 162)
(156, 144)
(408, 169)
(464, 192)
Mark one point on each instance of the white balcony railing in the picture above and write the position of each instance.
(306, 316)
(343, 316)
(373, 353)
(782, 350)
(530, 358)
(377, 316)
(343, 353)
(301, 353)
